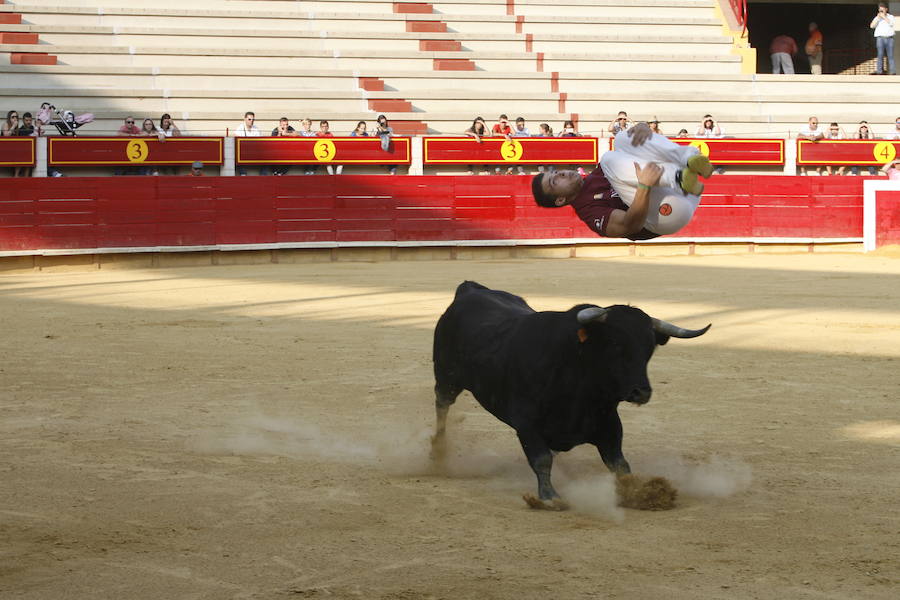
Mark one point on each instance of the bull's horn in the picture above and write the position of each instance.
(675, 331)
(592, 315)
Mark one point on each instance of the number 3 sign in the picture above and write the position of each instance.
(137, 151)
(324, 150)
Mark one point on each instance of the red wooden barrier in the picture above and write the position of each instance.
(846, 152)
(84, 151)
(305, 150)
(536, 151)
(17, 151)
(734, 151)
(103, 212)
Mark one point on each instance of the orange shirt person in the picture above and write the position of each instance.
(813, 49)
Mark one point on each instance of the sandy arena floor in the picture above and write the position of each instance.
(261, 432)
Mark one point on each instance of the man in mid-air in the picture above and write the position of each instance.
(648, 186)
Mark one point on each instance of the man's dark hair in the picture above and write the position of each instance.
(540, 197)
(504, 117)
(249, 113)
(520, 119)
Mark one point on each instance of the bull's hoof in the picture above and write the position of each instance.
(556, 504)
(438, 448)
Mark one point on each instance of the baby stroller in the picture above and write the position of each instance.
(66, 122)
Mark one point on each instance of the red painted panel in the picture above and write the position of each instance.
(17, 151)
(887, 209)
(134, 151)
(498, 150)
(846, 152)
(309, 150)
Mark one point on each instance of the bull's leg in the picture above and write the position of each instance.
(609, 443)
(541, 460)
(444, 396)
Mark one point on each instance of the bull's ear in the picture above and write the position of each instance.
(661, 338)
(582, 335)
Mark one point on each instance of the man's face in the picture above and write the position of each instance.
(283, 124)
(129, 122)
(520, 126)
(897, 125)
(248, 120)
(813, 124)
(27, 121)
(561, 184)
(323, 127)
(834, 130)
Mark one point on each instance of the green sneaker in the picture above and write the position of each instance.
(700, 165)
(689, 182)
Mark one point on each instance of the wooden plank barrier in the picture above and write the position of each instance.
(499, 150)
(134, 151)
(735, 151)
(311, 150)
(846, 152)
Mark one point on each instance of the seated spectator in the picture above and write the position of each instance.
(148, 128)
(813, 134)
(129, 128)
(834, 133)
(283, 129)
(385, 132)
(306, 131)
(895, 134)
(682, 133)
(197, 169)
(501, 127)
(26, 129)
(863, 133)
(247, 129)
(569, 130)
(891, 170)
(11, 125)
(654, 126)
(620, 123)
(709, 129)
(324, 132)
(544, 130)
(360, 130)
(520, 131)
(782, 50)
(477, 131)
(167, 128)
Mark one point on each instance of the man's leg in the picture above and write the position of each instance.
(889, 50)
(788, 64)
(776, 63)
(880, 46)
(658, 149)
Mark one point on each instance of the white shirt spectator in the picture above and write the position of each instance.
(884, 26)
(808, 132)
(242, 131)
(894, 134)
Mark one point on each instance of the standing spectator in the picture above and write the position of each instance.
(883, 24)
(478, 130)
(520, 131)
(782, 50)
(325, 133)
(129, 128)
(863, 133)
(834, 133)
(813, 134)
(569, 130)
(682, 133)
(385, 132)
(167, 128)
(891, 170)
(247, 129)
(26, 129)
(283, 129)
(545, 131)
(813, 49)
(654, 126)
(11, 125)
(620, 123)
(306, 131)
(709, 129)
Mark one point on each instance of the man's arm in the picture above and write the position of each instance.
(623, 223)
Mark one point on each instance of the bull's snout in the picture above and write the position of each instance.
(639, 395)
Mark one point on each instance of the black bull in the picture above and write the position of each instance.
(555, 377)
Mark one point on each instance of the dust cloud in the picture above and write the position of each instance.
(714, 477)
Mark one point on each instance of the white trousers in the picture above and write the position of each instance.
(670, 209)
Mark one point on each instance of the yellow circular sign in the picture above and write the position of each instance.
(324, 150)
(511, 150)
(137, 151)
(702, 146)
(884, 152)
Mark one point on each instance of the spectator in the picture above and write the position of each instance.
(709, 129)
(306, 131)
(11, 125)
(813, 134)
(26, 129)
(813, 49)
(148, 128)
(569, 130)
(682, 133)
(654, 126)
(247, 129)
(129, 128)
(197, 169)
(883, 24)
(620, 123)
(782, 50)
(360, 130)
(863, 133)
(283, 129)
(324, 132)
(545, 131)
(895, 133)
(385, 132)
(891, 170)
(834, 133)
(478, 130)
(520, 131)
(501, 127)
(167, 128)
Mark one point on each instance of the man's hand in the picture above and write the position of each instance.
(649, 175)
(639, 134)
